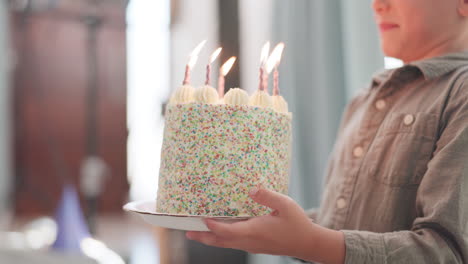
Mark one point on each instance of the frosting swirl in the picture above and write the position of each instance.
(183, 94)
(260, 98)
(236, 96)
(279, 104)
(206, 94)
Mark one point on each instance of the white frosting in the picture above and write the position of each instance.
(183, 94)
(261, 98)
(236, 96)
(279, 104)
(206, 94)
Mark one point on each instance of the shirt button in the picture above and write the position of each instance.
(380, 104)
(358, 152)
(408, 120)
(341, 203)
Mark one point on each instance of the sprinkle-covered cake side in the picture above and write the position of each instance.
(213, 154)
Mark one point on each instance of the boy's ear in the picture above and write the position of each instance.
(463, 7)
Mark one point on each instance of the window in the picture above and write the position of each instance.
(148, 85)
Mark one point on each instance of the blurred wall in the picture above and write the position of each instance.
(192, 22)
(362, 54)
(5, 120)
(69, 90)
(255, 23)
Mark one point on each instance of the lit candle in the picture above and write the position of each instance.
(192, 61)
(263, 58)
(184, 94)
(208, 66)
(278, 102)
(273, 62)
(222, 73)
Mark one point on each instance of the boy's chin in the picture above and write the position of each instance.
(393, 51)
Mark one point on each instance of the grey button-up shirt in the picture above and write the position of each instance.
(397, 181)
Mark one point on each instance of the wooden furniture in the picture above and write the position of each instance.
(69, 98)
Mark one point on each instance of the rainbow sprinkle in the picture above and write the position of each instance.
(212, 155)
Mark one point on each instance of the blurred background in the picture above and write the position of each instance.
(83, 85)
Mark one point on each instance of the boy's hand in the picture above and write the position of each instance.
(286, 231)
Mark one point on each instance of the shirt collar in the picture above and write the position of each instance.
(430, 69)
(436, 67)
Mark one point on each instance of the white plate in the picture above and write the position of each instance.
(146, 209)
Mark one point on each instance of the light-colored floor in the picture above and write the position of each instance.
(130, 236)
(125, 234)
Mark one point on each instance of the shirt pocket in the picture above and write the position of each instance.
(402, 149)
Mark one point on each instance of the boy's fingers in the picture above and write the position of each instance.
(204, 237)
(220, 229)
(226, 230)
(207, 238)
(274, 200)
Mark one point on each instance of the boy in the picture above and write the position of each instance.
(397, 182)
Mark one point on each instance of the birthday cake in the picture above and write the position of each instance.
(217, 147)
(214, 153)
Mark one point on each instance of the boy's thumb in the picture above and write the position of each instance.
(274, 200)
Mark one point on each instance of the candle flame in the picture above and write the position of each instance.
(227, 66)
(215, 55)
(264, 53)
(275, 57)
(198, 48)
(194, 54)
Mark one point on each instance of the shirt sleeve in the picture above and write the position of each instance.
(439, 234)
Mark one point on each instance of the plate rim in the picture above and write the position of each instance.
(132, 207)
